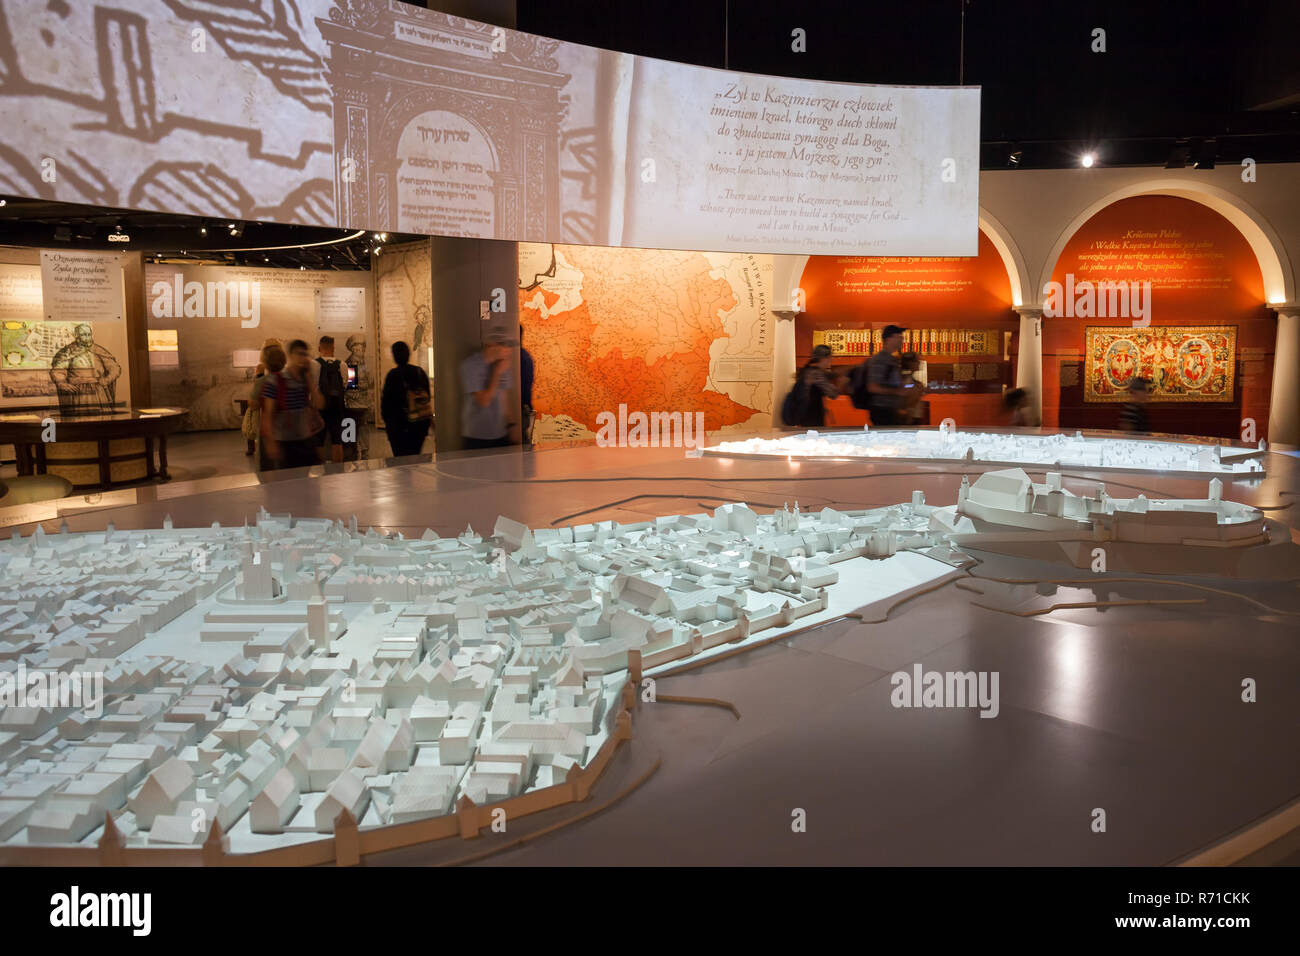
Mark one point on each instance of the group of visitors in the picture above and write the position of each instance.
(485, 383)
(298, 406)
(885, 385)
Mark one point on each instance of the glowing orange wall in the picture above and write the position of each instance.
(860, 293)
(1205, 275)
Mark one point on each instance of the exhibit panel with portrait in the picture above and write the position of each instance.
(53, 352)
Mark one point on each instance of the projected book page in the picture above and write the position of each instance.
(384, 116)
(772, 164)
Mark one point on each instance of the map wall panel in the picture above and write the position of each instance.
(658, 331)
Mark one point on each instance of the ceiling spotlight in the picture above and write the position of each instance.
(1013, 159)
(4, 202)
(1087, 160)
(266, 258)
(203, 229)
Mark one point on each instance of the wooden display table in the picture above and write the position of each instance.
(92, 451)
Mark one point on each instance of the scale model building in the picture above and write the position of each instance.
(271, 676)
(1047, 451)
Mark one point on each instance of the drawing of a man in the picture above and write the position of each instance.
(84, 374)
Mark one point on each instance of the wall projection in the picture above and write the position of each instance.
(389, 117)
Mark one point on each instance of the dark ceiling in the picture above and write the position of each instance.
(1218, 81)
(55, 225)
(1188, 82)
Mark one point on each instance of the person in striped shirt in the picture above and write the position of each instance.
(290, 399)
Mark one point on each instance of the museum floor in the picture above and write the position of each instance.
(1133, 709)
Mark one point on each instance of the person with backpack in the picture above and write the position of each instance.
(877, 384)
(805, 405)
(329, 379)
(406, 404)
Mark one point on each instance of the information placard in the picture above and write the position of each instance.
(340, 309)
(81, 286)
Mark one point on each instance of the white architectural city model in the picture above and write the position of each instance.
(269, 677)
(1001, 448)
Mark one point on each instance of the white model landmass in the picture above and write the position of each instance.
(1051, 451)
(269, 677)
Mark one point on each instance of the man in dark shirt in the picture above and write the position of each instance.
(404, 402)
(885, 387)
(525, 390)
(331, 379)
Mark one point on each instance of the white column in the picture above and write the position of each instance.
(1284, 402)
(783, 359)
(1029, 362)
(787, 273)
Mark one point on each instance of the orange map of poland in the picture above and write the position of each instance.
(639, 335)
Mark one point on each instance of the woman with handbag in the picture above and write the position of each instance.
(405, 404)
(290, 402)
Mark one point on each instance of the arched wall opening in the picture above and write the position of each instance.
(1195, 323)
(1269, 250)
(959, 310)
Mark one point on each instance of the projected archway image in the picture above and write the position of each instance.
(310, 112)
(441, 196)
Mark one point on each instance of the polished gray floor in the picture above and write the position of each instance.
(1133, 710)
